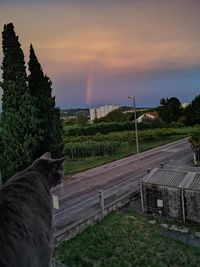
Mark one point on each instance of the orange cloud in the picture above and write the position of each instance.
(132, 35)
(71, 38)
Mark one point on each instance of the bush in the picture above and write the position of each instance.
(102, 128)
(195, 139)
(105, 128)
(174, 124)
(129, 136)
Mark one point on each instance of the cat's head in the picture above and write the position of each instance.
(52, 169)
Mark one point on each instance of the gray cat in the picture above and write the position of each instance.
(26, 214)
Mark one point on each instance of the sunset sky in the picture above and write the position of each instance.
(99, 51)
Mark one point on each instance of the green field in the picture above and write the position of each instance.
(80, 164)
(81, 146)
(126, 239)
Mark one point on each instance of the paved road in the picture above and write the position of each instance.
(80, 187)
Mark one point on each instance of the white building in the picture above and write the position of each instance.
(96, 113)
(149, 115)
(184, 104)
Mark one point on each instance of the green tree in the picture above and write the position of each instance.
(195, 143)
(170, 109)
(49, 116)
(19, 125)
(81, 118)
(116, 115)
(192, 112)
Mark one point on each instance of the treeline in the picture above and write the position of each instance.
(105, 128)
(170, 114)
(169, 111)
(30, 122)
(129, 136)
(102, 128)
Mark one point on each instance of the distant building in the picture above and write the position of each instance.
(149, 115)
(131, 110)
(96, 113)
(184, 104)
(173, 191)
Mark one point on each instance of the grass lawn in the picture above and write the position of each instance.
(80, 164)
(126, 239)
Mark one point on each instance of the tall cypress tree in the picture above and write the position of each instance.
(50, 120)
(19, 125)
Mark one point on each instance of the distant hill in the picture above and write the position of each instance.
(72, 112)
(127, 108)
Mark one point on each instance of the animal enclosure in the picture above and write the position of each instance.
(173, 192)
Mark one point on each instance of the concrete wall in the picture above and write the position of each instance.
(172, 202)
(175, 203)
(171, 198)
(192, 205)
(66, 234)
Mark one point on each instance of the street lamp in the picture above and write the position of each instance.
(136, 131)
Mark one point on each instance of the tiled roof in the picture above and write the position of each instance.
(153, 113)
(167, 177)
(195, 184)
(182, 168)
(187, 179)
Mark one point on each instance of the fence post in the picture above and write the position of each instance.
(183, 204)
(161, 165)
(148, 170)
(101, 195)
(141, 195)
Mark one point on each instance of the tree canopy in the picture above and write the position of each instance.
(30, 122)
(48, 114)
(192, 112)
(170, 109)
(19, 124)
(116, 115)
(81, 118)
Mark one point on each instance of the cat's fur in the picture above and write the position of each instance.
(26, 214)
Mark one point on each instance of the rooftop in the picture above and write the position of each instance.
(153, 113)
(182, 177)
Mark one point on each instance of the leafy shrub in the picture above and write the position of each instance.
(102, 128)
(195, 140)
(105, 128)
(129, 136)
(174, 124)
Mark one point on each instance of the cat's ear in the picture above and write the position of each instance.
(58, 163)
(46, 155)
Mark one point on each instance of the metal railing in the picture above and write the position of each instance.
(99, 204)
